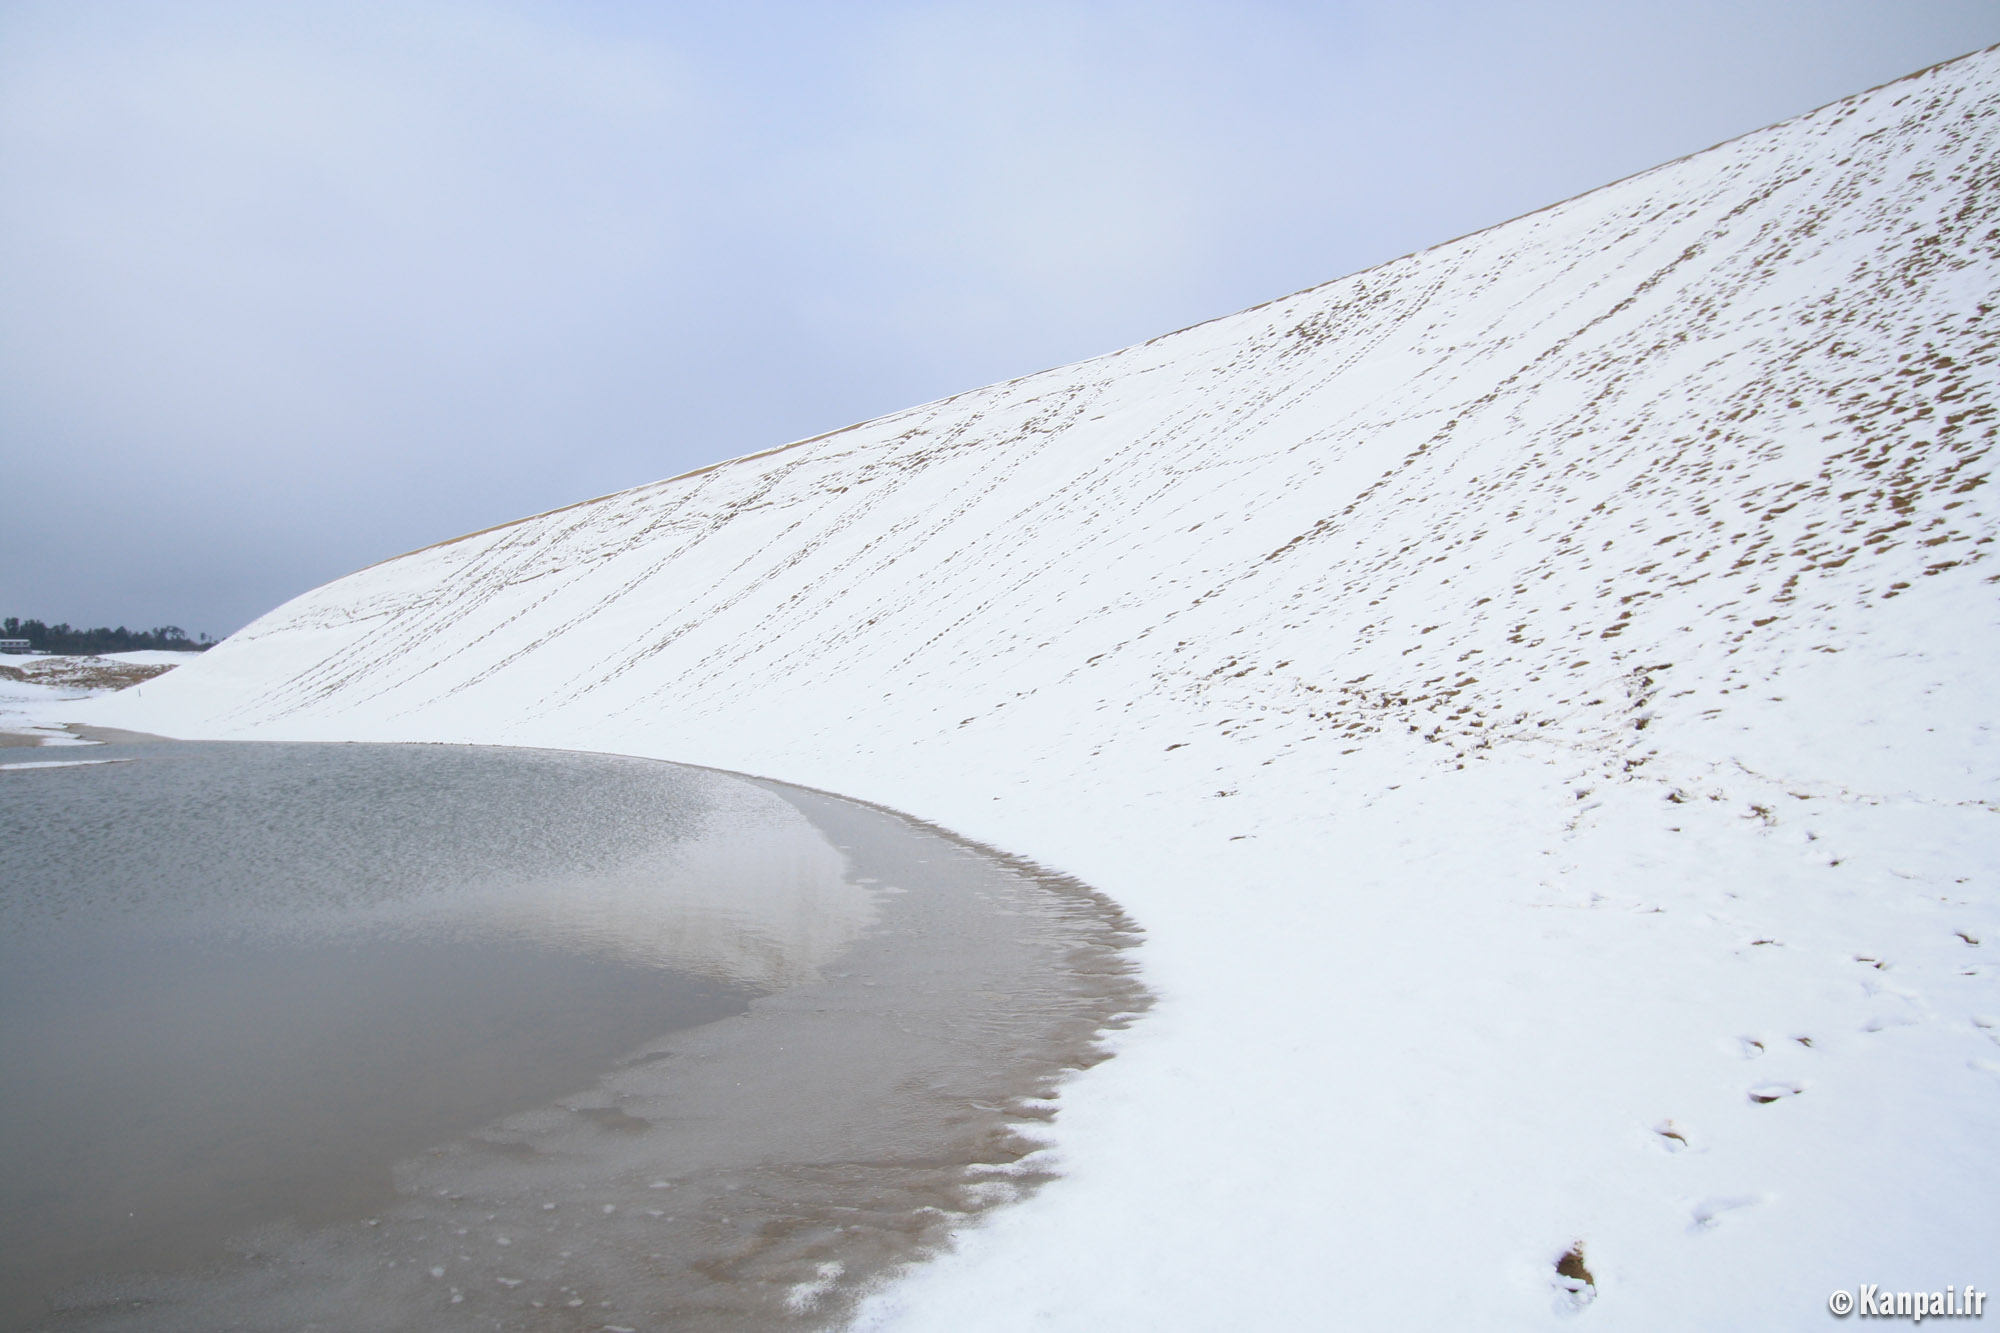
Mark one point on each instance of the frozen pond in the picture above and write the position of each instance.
(435, 1037)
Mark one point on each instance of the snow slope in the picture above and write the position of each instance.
(1535, 694)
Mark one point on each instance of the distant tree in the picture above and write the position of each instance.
(67, 639)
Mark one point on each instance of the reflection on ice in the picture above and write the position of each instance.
(757, 898)
(747, 894)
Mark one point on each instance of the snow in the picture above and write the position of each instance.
(31, 711)
(39, 691)
(1535, 695)
(152, 657)
(64, 763)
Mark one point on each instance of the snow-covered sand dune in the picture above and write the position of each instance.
(1537, 695)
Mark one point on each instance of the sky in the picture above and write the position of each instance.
(289, 289)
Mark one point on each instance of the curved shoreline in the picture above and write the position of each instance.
(836, 1131)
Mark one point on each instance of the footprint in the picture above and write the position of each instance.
(1673, 1137)
(1751, 1047)
(1766, 1093)
(1574, 1284)
(1708, 1214)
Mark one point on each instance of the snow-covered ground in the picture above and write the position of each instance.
(1535, 694)
(39, 692)
(31, 712)
(151, 657)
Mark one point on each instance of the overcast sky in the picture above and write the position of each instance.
(287, 288)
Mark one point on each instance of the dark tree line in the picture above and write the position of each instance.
(70, 640)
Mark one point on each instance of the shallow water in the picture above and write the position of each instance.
(434, 1037)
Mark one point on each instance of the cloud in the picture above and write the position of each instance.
(272, 229)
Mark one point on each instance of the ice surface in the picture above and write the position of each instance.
(746, 1173)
